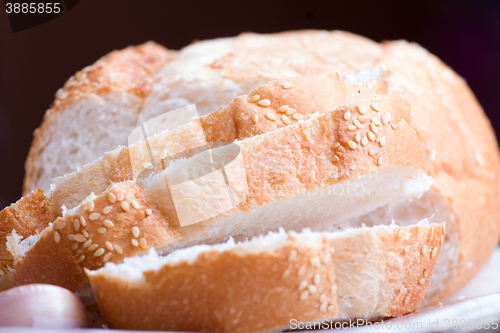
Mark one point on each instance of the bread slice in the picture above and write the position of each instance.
(116, 224)
(93, 113)
(264, 283)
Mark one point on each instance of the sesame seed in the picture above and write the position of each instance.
(290, 112)
(421, 281)
(134, 242)
(57, 237)
(352, 144)
(382, 141)
(125, 206)
(74, 246)
(287, 85)
(111, 198)
(323, 298)
(59, 225)
(254, 98)
(136, 204)
(315, 262)
(82, 221)
(336, 158)
(99, 252)
(90, 206)
(332, 250)
(163, 154)
(297, 116)
(135, 232)
(407, 299)
(317, 279)
(149, 212)
(434, 252)
(94, 216)
(425, 250)
(312, 289)
(118, 249)
(147, 165)
(80, 238)
(351, 128)
(336, 145)
(71, 237)
(358, 137)
(347, 115)
(283, 108)
(293, 255)
(375, 106)
(407, 248)
(386, 118)
(264, 102)
(101, 230)
(372, 152)
(425, 273)
(87, 243)
(442, 240)
(363, 119)
(106, 210)
(323, 307)
(361, 109)
(286, 120)
(270, 116)
(304, 295)
(107, 257)
(255, 118)
(374, 128)
(120, 216)
(109, 246)
(380, 160)
(108, 224)
(143, 243)
(357, 123)
(80, 259)
(408, 236)
(403, 290)
(85, 233)
(120, 196)
(364, 141)
(302, 270)
(93, 247)
(375, 121)
(331, 308)
(394, 126)
(76, 224)
(371, 136)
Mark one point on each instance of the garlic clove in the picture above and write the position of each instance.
(41, 306)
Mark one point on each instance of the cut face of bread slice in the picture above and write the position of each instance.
(365, 273)
(109, 227)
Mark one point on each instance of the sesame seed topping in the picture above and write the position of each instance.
(106, 210)
(85, 233)
(80, 238)
(99, 252)
(143, 243)
(323, 307)
(351, 128)
(108, 224)
(76, 224)
(293, 255)
(149, 212)
(364, 141)
(317, 279)
(290, 112)
(254, 98)
(434, 252)
(382, 141)
(315, 262)
(118, 249)
(90, 205)
(386, 118)
(372, 152)
(101, 230)
(283, 108)
(71, 237)
(352, 144)
(82, 221)
(361, 109)
(358, 137)
(147, 165)
(136, 204)
(407, 299)
(94, 216)
(374, 128)
(425, 273)
(87, 243)
(255, 118)
(371, 136)
(331, 308)
(111, 198)
(357, 123)
(312, 289)
(421, 281)
(109, 246)
(287, 85)
(375, 106)
(120, 196)
(347, 115)
(285, 120)
(323, 298)
(120, 216)
(425, 250)
(380, 160)
(107, 257)
(408, 236)
(125, 206)
(336, 158)
(270, 116)
(336, 145)
(163, 154)
(80, 259)
(304, 295)
(297, 116)
(302, 270)
(93, 247)
(403, 290)
(394, 126)
(135, 232)
(363, 119)
(74, 246)
(57, 237)
(332, 250)
(442, 240)
(407, 248)
(264, 102)
(134, 242)
(375, 121)
(59, 225)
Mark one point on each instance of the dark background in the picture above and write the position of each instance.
(34, 63)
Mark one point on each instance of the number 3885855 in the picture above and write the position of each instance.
(33, 7)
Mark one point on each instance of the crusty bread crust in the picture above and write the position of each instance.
(114, 225)
(263, 290)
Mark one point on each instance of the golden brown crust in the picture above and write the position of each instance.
(108, 228)
(127, 71)
(28, 216)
